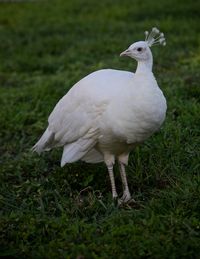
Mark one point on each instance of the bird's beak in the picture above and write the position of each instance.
(125, 53)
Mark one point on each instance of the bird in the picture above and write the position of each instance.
(106, 114)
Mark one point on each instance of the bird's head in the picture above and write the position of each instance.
(140, 50)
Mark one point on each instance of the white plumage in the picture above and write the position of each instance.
(107, 113)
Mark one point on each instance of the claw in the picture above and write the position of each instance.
(125, 200)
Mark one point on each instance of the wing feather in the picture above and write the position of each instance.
(76, 150)
(74, 119)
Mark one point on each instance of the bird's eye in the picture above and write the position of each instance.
(139, 49)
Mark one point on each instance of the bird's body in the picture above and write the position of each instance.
(104, 116)
(120, 109)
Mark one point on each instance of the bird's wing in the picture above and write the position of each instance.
(80, 109)
(74, 116)
(74, 124)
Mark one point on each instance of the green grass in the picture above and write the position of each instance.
(49, 212)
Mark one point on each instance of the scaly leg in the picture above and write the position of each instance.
(126, 193)
(123, 161)
(112, 180)
(110, 160)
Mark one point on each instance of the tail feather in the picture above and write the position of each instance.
(45, 142)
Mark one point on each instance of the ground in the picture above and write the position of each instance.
(53, 212)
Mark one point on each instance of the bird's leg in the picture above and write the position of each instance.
(112, 180)
(126, 193)
(110, 160)
(123, 161)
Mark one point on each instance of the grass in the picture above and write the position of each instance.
(49, 212)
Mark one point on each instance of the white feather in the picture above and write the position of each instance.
(93, 156)
(76, 150)
(44, 142)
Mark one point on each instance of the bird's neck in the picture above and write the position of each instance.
(144, 66)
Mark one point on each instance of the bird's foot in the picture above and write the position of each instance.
(126, 199)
